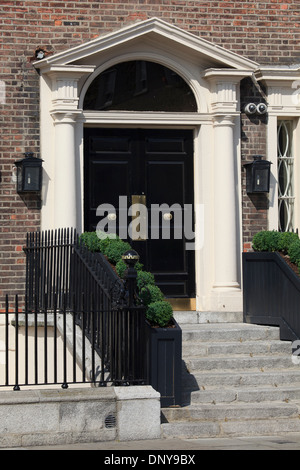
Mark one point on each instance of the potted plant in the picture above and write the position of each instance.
(164, 338)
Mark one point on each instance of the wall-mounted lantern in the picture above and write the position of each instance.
(258, 175)
(29, 174)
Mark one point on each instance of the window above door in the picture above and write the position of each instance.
(139, 86)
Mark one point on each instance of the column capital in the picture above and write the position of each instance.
(64, 83)
(227, 120)
(65, 116)
(224, 85)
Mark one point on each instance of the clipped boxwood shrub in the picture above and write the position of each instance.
(90, 240)
(144, 278)
(159, 313)
(294, 252)
(97, 241)
(121, 268)
(285, 241)
(106, 241)
(266, 241)
(150, 294)
(115, 249)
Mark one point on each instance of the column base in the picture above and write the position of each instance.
(226, 299)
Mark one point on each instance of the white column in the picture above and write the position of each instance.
(65, 214)
(225, 205)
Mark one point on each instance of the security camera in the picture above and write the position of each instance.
(261, 108)
(250, 108)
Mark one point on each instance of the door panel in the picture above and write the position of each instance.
(155, 164)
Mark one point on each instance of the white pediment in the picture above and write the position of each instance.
(157, 33)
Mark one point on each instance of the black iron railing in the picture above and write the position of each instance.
(48, 259)
(91, 276)
(57, 346)
(58, 265)
(80, 322)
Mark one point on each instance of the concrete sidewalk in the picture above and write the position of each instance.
(284, 442)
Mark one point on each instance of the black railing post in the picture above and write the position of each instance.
(135, 362)
(16, 387)
(6, 341)
(131, 258)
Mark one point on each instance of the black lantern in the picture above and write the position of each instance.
(258, 175)
(29, 174)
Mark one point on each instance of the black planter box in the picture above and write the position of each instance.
(271, 293)
(165, 362)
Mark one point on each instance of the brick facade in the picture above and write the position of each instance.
(253, 141)
(266, 32)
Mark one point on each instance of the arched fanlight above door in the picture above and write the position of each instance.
(139, 86)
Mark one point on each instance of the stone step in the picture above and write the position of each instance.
(203, 380)
(238, 428)
(238, 419)
(228, 332)
(260, 394)
(226, 412)
(239, 362)
(238, 380)
(190, 317)
(197, 348)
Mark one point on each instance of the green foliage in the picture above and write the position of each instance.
(96, 241)
(266, 241)
(106, 240)
(90, 240)
(115, 249)
(285, 241)
(150, 294)
(159, 313)
(121, 268)
(139, 266)
(144, 278)
(103, 235)
(294, 252)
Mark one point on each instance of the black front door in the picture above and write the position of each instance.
(153, 168)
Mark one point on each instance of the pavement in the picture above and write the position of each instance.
(288, 441)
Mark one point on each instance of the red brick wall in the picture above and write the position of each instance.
(253, 138)
(267, 32)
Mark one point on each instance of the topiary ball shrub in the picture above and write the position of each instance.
(121, 268)
(115, 249)
(106, 241)
(294, 252)
(150, 294)
(90, 240)
(144, 278)
(266, 241)
(159, 313)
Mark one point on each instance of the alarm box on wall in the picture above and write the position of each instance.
(258, 175)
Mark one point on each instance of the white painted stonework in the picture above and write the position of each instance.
(214, 75)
